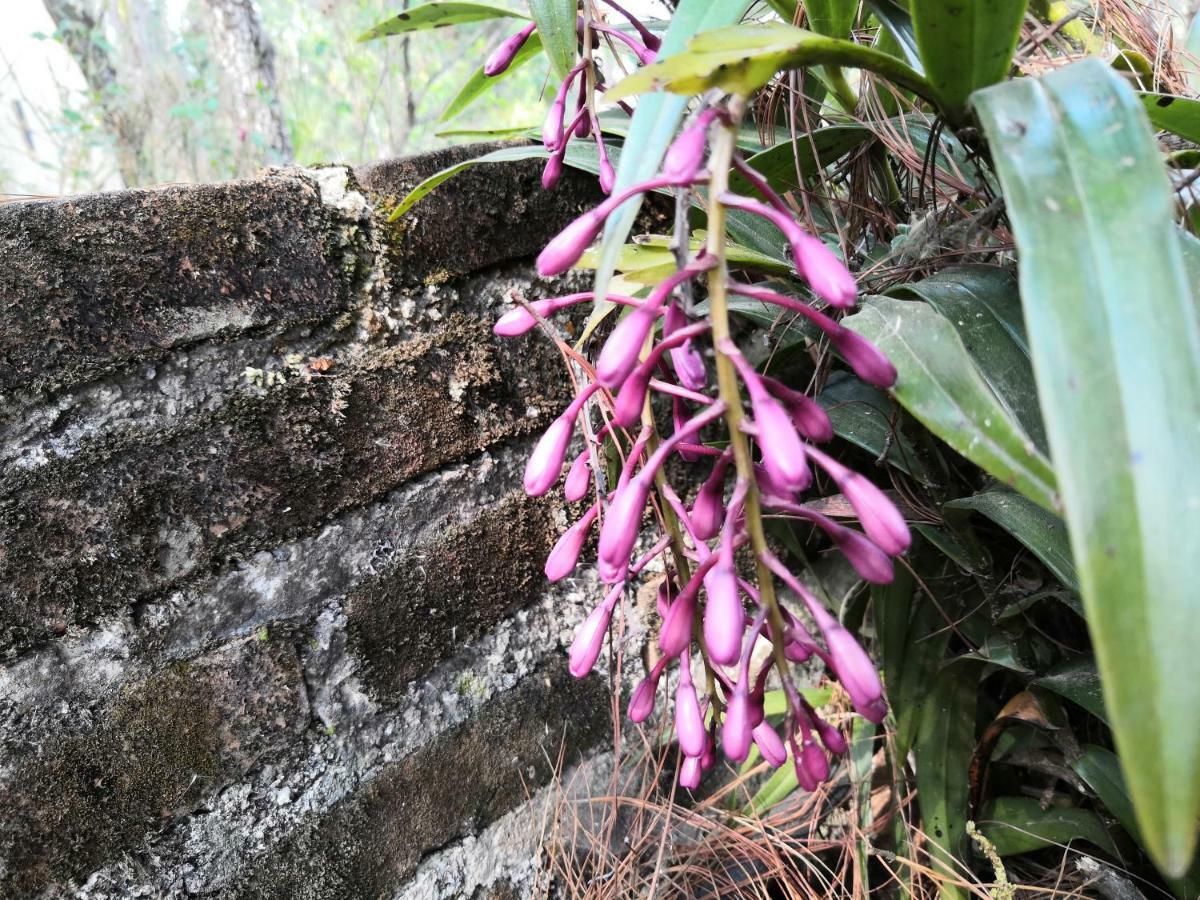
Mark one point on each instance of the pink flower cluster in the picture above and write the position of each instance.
(558, 130)
(660, 346)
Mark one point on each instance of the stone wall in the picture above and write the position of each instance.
(272, 621)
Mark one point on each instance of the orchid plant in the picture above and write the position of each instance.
(914, 139)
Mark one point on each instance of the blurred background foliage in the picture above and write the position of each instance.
(105, 94)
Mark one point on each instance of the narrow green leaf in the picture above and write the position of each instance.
(1115, 335)
(786, 166)
(1178, 115)
(742, 58)
(582, 156)
(1044, 533)
(654, 124)
(940, 385)
(1019, 824)
(899, 25)
(438, 14)
(479, 83)
(832, 18)
(943, 748)
(966, 45)
(556, 25)
(1101, 771)
(984, 306)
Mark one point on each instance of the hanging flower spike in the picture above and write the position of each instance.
(565, 556)
(503, 55)
(589, 639)
(689, 720)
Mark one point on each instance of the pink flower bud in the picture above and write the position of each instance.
(502, 56)
(568, 245)
(552, 128)
(620, 352)
(825, 273)
(708, 510)
(546, 462)
(518, 321)
(552, 171)
(689, 720)
(690, 773)
(662, 600)
(724, 616)
(782, 450)
(879, 517)
(803, 776)
(856, 672)
(737, 730)
(608, 176)
(864, 358)
(565, 556)
(685, 157)
(676, 632)
(578, 479)
(814, 760)
(620, 529)
(808, 416)
(868, 560)
(708, 759)
(631, 399)
(589, 639)
(770, 745)
(687, 363)
(641, 703)
(830, 736)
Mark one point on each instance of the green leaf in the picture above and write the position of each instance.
(1101, 771)
(1019, 824)
(832, 18)
(1044, 533)
(438, 14)
(944, 745)
(1179, 115)
(984, 306)
(556, 23)
(785, 166)
(743, 58)
(651, 131)
(965, 45)
(899, 25)
(579, 155)
(1078, 681)
(940, 385)
(479, 83)
(1115, 335)
(862, 415)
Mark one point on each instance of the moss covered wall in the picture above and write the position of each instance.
(268, 583)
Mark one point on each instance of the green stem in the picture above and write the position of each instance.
(727, 381)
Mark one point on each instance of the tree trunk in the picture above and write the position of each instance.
(247, 63)
(80, 28)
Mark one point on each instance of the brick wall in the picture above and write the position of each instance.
(272, 622)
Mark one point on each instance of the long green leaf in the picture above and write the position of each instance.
(438, 14)
(966, 45)
(940, 385)
(556, 25)
(833, 18)
(1038, 529)
(582, 156)
(653, 127)
(943, 748)
(1078, 681)
(899, 25)
(479, 83)
(984, 306)
(785, 165)
(742, 58)
(1115, 335)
